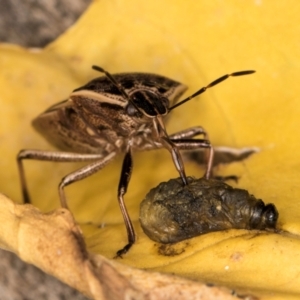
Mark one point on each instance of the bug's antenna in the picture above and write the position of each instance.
(115, 83)
(215, 82)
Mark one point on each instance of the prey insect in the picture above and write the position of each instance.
(171, 212)
(115, 114)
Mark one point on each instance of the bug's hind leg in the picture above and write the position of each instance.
(82, 173)
(227, 178)
(54, 156)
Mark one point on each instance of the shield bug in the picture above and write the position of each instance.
(114, 114)
(172, 212)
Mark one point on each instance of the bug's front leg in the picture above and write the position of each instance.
(162, 135)
(189, 134)
(190, 144)
(122, 189)
(61, 157)
(176, 157)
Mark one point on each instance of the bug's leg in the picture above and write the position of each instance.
(223, 155)
(227, 178)
(171, 146)
(48, 156)
(192, 132)
(122, 189)
(186, 144)
(24, 189)
(189, 133)
(190, 144)
(82, 173)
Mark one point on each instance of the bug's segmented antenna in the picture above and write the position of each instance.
(116, 84)
(215, 82)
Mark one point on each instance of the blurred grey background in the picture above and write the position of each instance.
(34, 23)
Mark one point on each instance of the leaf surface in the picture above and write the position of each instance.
(194, 43)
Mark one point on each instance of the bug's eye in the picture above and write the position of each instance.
(131, 110)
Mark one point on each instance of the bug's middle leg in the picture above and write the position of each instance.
(189, 133)
(122, 189)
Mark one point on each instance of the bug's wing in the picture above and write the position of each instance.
(64, 127)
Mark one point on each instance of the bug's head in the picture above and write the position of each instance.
(150, 97)
(147, 103)
(144, 102)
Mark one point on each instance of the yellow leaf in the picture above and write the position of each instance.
(193, 42)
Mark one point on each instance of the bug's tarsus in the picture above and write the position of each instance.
(215, 82)
(123, 251)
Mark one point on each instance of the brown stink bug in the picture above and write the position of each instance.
(114, 114)
(171, 212)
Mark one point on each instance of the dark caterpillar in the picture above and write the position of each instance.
(172, 212)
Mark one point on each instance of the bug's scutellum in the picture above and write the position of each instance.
(114, 114)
